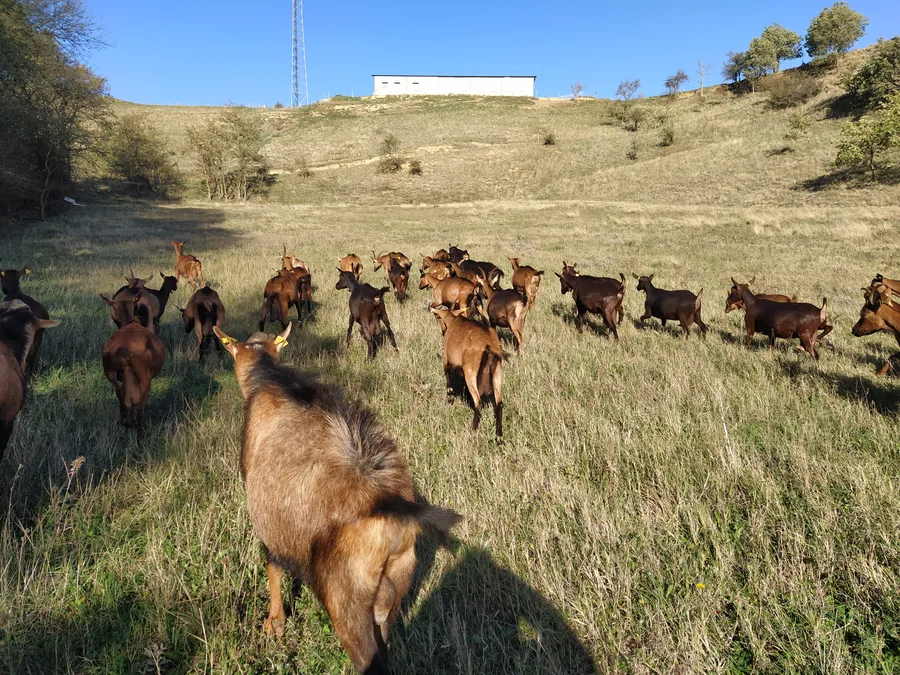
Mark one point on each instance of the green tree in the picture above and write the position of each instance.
(834, 30)
(761, 58)
(673, 83)
(786, 43)
(865, 140)
(136, 152)
(734, 67)
(878, 77)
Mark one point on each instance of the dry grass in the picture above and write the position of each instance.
(660, 505)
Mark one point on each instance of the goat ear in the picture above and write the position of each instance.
(651, 277)
(47, 323)
(635, 275)
(459, 312)
(281, 339)
(106, 299)
(558, 274)
(229, 343)
(539, 273)
(733, 282)
(26, 270)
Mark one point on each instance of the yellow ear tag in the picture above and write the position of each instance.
(227, 340)
(280, 340)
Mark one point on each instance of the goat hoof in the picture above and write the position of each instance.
(274, 627)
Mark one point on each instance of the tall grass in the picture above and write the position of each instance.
(659, 505)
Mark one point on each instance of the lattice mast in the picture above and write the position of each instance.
(299, 85)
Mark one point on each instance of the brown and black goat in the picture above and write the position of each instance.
(351, 263)
(203, 313)
(187, 266)
(880, 312)
(18, 327)
(733, 301)
(456, 254)
(784, 320)
(476, 353)
(526, 280)
(132, 357)
(368, 310)
(282, 292)
(384, 260)
(452, 292)
(892, 285)
(482, 269)
(12, 291)
(506, 308)
(147, 306)
(594, 295)
(169, 286)
(335, 507)
(399, 278)
(681, 306)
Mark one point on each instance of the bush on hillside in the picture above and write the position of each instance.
(667, 136)
(415, 167)
(301, 168)
(834, 31)
(865, 141)
(136, 152)
(878, 77)
(632, 152)
(790, 89)
(798, 127)
(547, 137)
(634, 117)
(389, 150)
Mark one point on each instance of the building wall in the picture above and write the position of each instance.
(425, 85)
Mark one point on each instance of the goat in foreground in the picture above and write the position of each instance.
(334, 506)
(12, 291)
(880, 312)
(594, 295)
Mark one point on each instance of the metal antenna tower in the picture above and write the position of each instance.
(299, 85)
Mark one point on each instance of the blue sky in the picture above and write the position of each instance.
(209, 53)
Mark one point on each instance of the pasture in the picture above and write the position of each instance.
(659, 504)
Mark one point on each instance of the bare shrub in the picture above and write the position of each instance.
(634, 117)
(415, 167)
(389, 150)
(632, 152)
(667, 136)
(390, 164)
(301, 168)
(577, 88)
(547, 137)
(791, 89)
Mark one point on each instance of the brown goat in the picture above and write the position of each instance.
(594, 295)
(472, 274)
(733, 301)
(368, 310)
(12, 291)
(203, 313)
(452, 292)
(18, 327)
(506, 308)
(187, 266)
(132, 357)
(399, 278)
(147, 307)
(334, 506)
(784, 320)
(384, 260)
(893, 285)
(474, 351)
(441, 255)
(438, 269)
(880, 312)
(526, 280)
(288, 288)
(351, 263)
(665, 305)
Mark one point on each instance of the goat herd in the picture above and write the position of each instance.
(354, 542)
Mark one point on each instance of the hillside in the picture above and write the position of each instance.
(729, 150)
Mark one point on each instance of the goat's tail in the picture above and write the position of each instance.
(434, 521)
(823, 313)
(490, 361)
(698, 301)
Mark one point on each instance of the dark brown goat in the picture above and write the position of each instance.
(351, 263)
(880, 312)
(203, 313)
(169, 286)
(132, 357)
(733, 301)
(526, 280)
(334, 506)
(288, 288)
(452, 292)
(187, 266)
(384, 260)
(594, 295)
(147, 307)
(681, 306)
(506, 308)
(485, 270)
(399, 278)
(441, 255)
(476, 353)
(457, 255)
(13, 291)
(784, 320)
(18, 327)
(368, 310)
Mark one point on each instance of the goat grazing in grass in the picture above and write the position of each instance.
(334, 506)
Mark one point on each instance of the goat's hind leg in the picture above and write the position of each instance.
(274, 625)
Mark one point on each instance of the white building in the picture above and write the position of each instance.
(466, 85)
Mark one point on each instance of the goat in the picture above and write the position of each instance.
(335, 506)
(351, 263)
(169, 286)
(368, 310)
(440, 270)
(784, 320)
(594, 295)
(18, 329)
(203, 313)
(132, 357)
(506, 308)
(880, 313)
(664, 305)
(474, 351)
(13, 291)
(452, 292)
(456, 254)
(486, 270)
(399, 278)
(147, 308)
(291, 262)
(441, 255)
(526, 280)
(288, 288)
(893, 285)
(384, 260)
(733, 301)
(470, 274)
(187, 266)
(133, 303)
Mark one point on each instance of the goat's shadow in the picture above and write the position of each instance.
(482, 618)
(881, 395)
(591, 321)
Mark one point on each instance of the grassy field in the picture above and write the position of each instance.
(660, 504)
(728, 150)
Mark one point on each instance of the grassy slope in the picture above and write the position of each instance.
(726, 150)
(659, 505)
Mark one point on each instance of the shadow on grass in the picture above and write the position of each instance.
(852, 178)
(567, 313)
(881, 395)
(482, 618)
